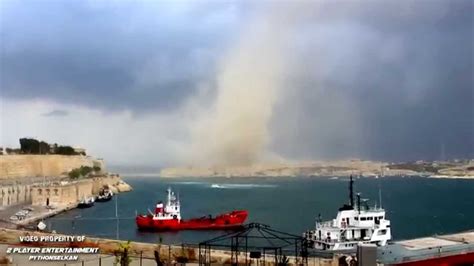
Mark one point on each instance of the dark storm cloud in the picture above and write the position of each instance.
(378, 79)
(386, 80)
(119, 55)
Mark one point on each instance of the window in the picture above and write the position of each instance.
(356, 218)
(363, 218)
(382, 232)
(370, 218)
(39, 191)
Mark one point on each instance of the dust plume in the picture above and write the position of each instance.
(235, 131)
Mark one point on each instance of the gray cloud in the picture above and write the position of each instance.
(56, 113)
(378, 79)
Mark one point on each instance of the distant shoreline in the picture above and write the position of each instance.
(157, 175)
(438, 169)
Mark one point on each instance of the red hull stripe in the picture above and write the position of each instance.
(232, 219)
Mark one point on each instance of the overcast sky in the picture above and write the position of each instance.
(151, 82)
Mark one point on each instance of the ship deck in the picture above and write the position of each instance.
(427, 248)
(438, 241)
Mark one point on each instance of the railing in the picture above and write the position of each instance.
(325, 224)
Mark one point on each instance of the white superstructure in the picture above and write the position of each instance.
(170, 210)
(353, 224)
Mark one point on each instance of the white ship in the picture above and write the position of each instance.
(355, 223)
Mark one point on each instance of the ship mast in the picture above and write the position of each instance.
(351, 192)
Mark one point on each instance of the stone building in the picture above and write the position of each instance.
(61, 193)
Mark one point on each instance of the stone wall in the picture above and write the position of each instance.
(61, 193)
(14, 194)
(58, 192)
(20, 166)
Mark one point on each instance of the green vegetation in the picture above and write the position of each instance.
(121, 254)
(82, 171)
(33, 146)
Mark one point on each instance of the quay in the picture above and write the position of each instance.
(140, 253)
(443, 249)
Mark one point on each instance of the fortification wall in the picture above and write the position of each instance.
(21, 166)
(14, 194)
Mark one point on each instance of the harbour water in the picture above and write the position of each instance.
(416, 206)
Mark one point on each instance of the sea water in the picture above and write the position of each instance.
(416, 206)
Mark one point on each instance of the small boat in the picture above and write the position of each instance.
(105, 194)
(167, 217)
(86, 203)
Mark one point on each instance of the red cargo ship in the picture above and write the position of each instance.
(167, 217)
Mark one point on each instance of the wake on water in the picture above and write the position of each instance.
(225, 185)
(242, 186)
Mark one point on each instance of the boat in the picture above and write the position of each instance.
(86, 203)
(167, 217)
(105, 194)
(355, 223)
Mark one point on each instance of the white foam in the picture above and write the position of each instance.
(242, 186)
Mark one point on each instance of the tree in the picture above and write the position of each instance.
(80, 172)
(43, 148)
(29, 146)
(65, 150)
(74, 173)
(121, 254)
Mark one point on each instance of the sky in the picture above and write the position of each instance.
(168, 83)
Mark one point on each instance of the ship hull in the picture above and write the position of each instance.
(83, 205)
(224, 221)
(103, 199)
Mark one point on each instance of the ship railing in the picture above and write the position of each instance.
(325, 240)
(324, 224)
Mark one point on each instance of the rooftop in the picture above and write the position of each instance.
(438, 241)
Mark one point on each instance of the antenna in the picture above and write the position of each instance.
(380, 196)
(358, 202)
(351, 191)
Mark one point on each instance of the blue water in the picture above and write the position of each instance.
(416, 206)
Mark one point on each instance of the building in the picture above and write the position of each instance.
(61, 193)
